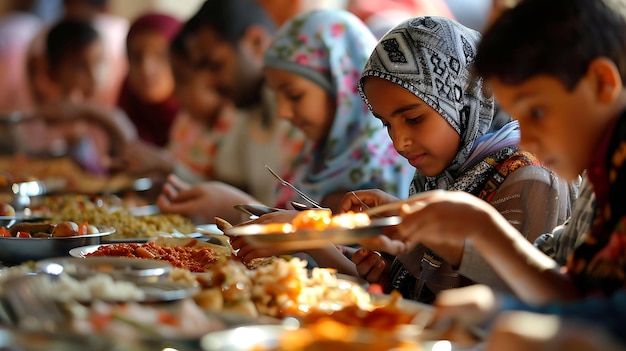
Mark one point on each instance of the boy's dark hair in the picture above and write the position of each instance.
(230, 18)
(558, 38)
(69, 35)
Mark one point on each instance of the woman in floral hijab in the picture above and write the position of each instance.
(313, 66)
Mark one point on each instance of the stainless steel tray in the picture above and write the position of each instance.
(303, 239)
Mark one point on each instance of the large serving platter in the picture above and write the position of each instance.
(258, 235)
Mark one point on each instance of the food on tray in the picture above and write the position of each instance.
(283, 287)
(96, 287)
(328, 334)
(227, 287)
(324, 219)
(75, 178)
(6, 210)
(195, 259)
(128, 225)
(319, 220)
(51, 205)
(48, 230)
(135, 321)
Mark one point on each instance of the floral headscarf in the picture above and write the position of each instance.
(430, 57)
(330, 48)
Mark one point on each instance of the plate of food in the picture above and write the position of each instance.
(315, 228)
(193, 254)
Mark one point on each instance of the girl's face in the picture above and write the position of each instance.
(305, 104)
(149, 70)
(419, 133)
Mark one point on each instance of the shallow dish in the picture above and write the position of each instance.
(119, 267)
(18, 250)
(308, 238)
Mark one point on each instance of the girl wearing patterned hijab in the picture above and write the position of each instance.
(313, 65)
(417, 81)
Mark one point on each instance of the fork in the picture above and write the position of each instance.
(289, 185)
(33, 311)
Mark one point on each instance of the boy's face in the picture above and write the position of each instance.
(303, 103)
(80, 74)
(560, 127)
(236, 74)
(195, 92)
(419, 133)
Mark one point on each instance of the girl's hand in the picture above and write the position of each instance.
(368, 198)
(248, 252)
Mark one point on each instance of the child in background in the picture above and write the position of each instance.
(147, 94)
(446, 123)
(226, 42)
(207, 135)
(313, 65)
(91, 133)
(552, 66)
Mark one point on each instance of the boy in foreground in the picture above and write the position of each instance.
(559, 68)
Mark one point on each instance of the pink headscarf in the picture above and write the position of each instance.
(153, 120)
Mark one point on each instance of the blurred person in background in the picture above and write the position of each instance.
(17, 28)
(112, 31)
(382, 15)
(226, 43)
(207, 134)
(282, 10)
(147, 94)
(84, 128)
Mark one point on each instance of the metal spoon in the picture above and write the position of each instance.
(289, 185)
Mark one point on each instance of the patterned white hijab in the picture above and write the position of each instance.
(430, 57)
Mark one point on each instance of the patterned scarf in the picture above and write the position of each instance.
(430, 57)
(330, 47)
